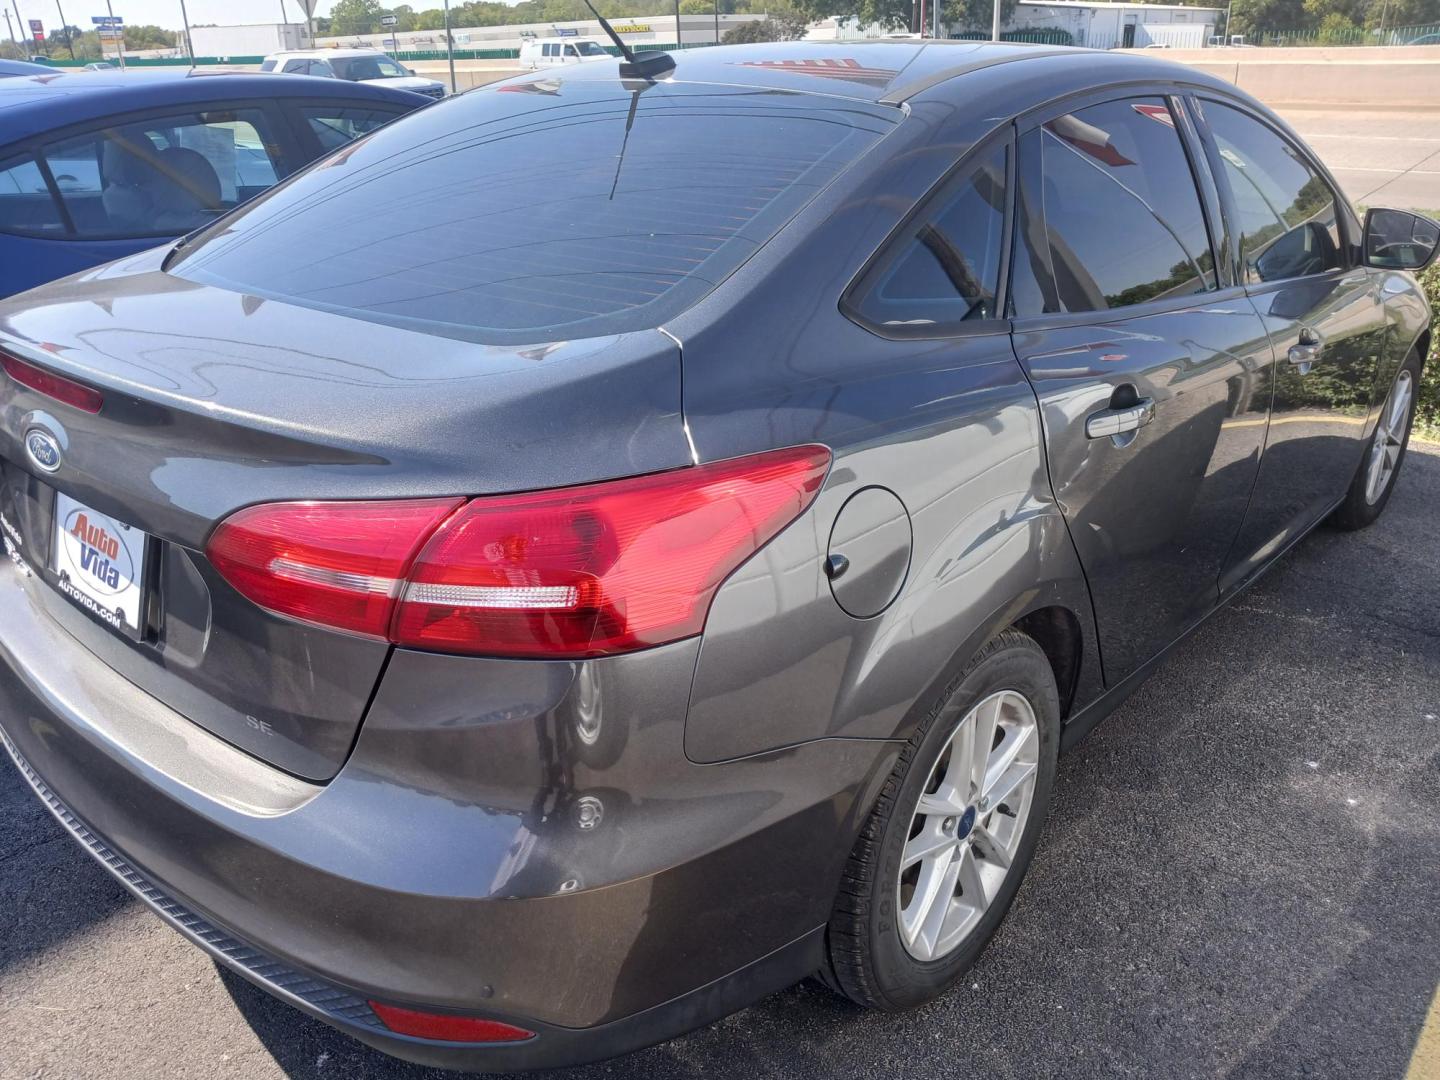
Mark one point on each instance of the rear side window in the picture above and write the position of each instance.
(267, 65)
(336, 125)
(26, 205)
(945, 268)
(541, 212)
(1286, 210)
(162, 177)
(1122, 218)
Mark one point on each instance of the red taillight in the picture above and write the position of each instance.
(446, 1027)
(336, 564)
(72, 393)
(583, 571)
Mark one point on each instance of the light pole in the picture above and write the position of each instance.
(995, 23)
(1229, 10)
(65, 29)
(449, 49)
(119, 37)
(189, 45)
(24, 31)
(677, 25)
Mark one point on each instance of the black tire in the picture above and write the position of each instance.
(867, 961)
(1357, 511)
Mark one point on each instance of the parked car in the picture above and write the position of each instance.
(553, 51)
(1425, 39)
(604, 549)
(96, 166)
(352, 65)
(12, 68)
(101, 65)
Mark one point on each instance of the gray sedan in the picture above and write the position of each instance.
(615, 543)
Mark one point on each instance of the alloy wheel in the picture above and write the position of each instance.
(1389, 438)
(967, 825)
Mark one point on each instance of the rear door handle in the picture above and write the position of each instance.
(1308, 351)
(1119, 422)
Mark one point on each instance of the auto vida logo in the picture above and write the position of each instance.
(43, 449)
(104, 557)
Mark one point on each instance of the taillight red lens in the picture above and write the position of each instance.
(447, 1028)
(603, 568)
(576, 572)
(77, 395)
(338, 564)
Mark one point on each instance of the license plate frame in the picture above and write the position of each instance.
(101, 565)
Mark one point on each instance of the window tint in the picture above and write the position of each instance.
(541, 214)
(335, 126)
(267, 65)
(1287, 212)
(945, 269)
(1122, 219)
(360, 68)
(26, 205)
(161, 177)
(297, 67)
(570, 51)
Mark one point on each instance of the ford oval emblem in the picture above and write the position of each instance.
(43, 449)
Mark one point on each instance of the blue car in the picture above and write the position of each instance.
(10, 68)
(99, 165)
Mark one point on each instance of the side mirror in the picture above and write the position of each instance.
(1399, 240)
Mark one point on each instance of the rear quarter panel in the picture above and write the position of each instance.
(952, 427)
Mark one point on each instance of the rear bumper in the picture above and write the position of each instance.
(448, 865)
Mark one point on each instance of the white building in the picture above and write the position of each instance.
(250, 39)
(643, 32)
(1120, 25)
(1094, 25)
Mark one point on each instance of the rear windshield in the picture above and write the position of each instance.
(543, 211)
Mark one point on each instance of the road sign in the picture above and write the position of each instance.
(388, 20)
(567, 31)
(107, 20)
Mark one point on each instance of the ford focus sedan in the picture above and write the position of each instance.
(607, 547)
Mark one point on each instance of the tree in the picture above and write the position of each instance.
(355, 17)
(974, 14)
(781, 26)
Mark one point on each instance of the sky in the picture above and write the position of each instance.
(166, 13)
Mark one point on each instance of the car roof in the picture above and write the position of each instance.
(320, 54)
(34, 104)
(10, 68)
(887, 71)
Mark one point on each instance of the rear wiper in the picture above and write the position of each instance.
(651, 66)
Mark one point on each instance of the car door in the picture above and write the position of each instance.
(126, 183)
(1151, 366)
(1297, 248)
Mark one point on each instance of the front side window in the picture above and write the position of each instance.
(26, 205)
(162, 177)
(945, 269)
(1122, 218)
(539, 215)
(1287, 214)
(589, 48)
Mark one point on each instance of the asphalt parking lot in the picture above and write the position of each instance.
(1241, 877)
(1381, 158)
